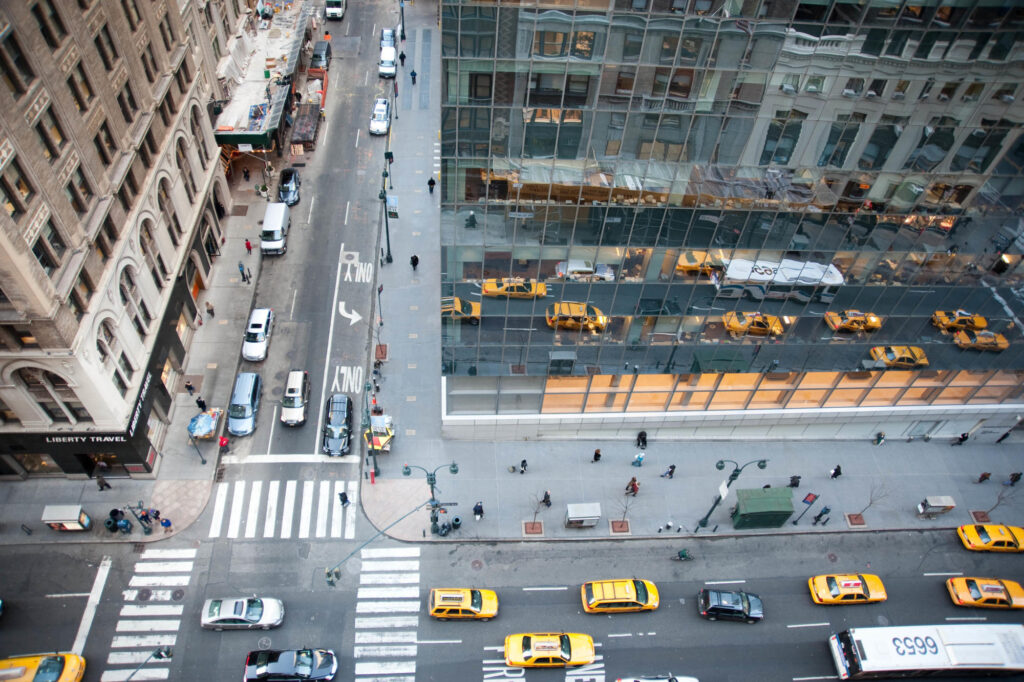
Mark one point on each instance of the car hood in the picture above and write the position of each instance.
(292, 413)
(756, 607)
(273, 611)
(254, 350)
(334, 443)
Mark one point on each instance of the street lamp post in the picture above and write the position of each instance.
(453, 468)
(736, 471)
(366, 427)
(401, 18)
(383, 196)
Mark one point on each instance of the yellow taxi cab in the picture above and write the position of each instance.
(454, 308)
(991, 538)
(980, 341)
(853, 321)
(903, 357)
(988, 593)
(955, 320)
(697, 263)
(548, 649)
(756, 324)
(846, 588)
(616, 596)
(515, 287)
(46, 667)
(462, 603)
(571, 315)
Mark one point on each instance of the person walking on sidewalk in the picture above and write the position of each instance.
(641, 440)
(166, 523)
(414, 261)
(201, 404)
(189, 387)
(1014, 479)
(546, 501)
(430, 184)
(836, 473)
(597, 456)
(248, 247)
(245, 174)
(224, 444)
(638, 460)
(478, 510)
(522, 467)
(343, 498)
(961, 439)
(401, 57)
(241, 271)
(985, 475)
(670, 472)
(412, 74)
(209, 309)
(101, 481)
(632, 488)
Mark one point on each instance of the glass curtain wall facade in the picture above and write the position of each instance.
(674, 166)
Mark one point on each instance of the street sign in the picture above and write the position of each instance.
(810, 498)
(723, 490)
(245, 148)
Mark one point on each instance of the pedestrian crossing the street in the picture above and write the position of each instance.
(150, 616)
(387, 615)
(284, 509)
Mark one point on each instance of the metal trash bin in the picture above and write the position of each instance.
(582, 515)
(456, 522)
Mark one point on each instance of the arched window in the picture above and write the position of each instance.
(151, 254)
(197, 133)
(163, 199)
(107, 344)
(53, 395)
(181, 156)
(131, 297)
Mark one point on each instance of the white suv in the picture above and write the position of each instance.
(584, 271)
(257, 334)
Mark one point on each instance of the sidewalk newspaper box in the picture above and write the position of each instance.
(762, 507)
(585, 515)
(934, 505)
(66, 517)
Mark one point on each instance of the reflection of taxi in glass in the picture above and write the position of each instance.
(549, 649)
(846, 589)
(989, 538)
(462, 603)
(980, 341)
(572, 315)
(515, 287)
(613, 596)
(904, 357)
(737, 323)
(853, 321)
(455, 308)
(955, 320)
(697, 263)
(989, 593)
(45, 668)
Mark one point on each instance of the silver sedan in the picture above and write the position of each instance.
(242, 613)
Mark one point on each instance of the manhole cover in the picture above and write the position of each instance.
(477, 564)
(263, 643)
(832, 557)
(178, 595)
(145, 595)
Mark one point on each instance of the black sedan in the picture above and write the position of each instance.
(291, 664)
(288, 190)
(337, 425)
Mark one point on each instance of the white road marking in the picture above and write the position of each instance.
(306, 510)
(323, 509)
(389, 552)
(384, 637)
(268, 524)
(330, 336)
(237, 502)
(391, 565)
(295, 295)
(146, 641)
(382, 651)
(254, 509)
(348, 204)
(218, 509)
(143, 675)
(439, 641)
(388, 622)
(724, 582)
(157, 580)
(932, 575)
(155, 595)
(545, 589)
(621, 634)
(809, 625)
(337, 511)
(149, 610)
(164, 567)
(67, 595)
(350, 521)
(973, 618)
(289, 508)
(387, 606)
(817, 677)
(128, 657)
(168, 554)
(388, 578)
(148, 625)
(297, 458)
(388, 593)
(385, 667)
(84, 625)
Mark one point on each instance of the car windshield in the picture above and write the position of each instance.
(563, 640)
(292, 401)
(641, 591)
(50, 669)
(238, 411)
(334, 431)
(253, 337)
(270, 235)
(379, 115)
(983, 534)
(254, 610)
(304, 662)
(476, 600)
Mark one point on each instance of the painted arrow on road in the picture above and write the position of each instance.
(353, 316)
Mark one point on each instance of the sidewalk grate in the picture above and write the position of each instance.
(138, 547)
(219, 476)
(240, 209)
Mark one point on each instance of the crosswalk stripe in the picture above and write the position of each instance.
(383, 650)
(150, 610)
(154, 595)
(388, 678)
(159, 580)
(388, 593)
(268, 524)
(168, 554)
(254, 509)
(385, 667)
(350, 522)
(387, 606)
(126, 657)
(388, 578)
(337, 511)
(164, 567)
(389, 552)
(306, 510)
(144, 641)
(391, 566)
(323, 509)
(218, 509)
(148, 625)
(235, 519)
(144, 675)
(289, 509)
(384, 637)
(386, 622)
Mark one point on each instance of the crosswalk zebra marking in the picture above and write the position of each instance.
(337, 511)
(289, 509)
(237, 502)
(388, 593)
(129, 610)
(387, 606)
(350, 522)
(306, 510)
(254, 509)
(218, 509)
(272, 492)
(148, 625)
(389, 552)
(168, 554)
(385, 667)
(387, 622)
(380, 651)
(391, 565)
(144, 675)
(142, 641)
(384, 637)
(164, 567)
(154, 595)
(389, 578)
(159, 580)
(323, 509)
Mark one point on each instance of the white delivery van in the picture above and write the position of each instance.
(335, 9)
(387, 67)
(276, 222)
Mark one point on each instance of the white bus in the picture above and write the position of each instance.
(793, 279)
(928, 650)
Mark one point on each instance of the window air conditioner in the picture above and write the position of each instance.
(1007, 98)
(812, 88)
(847, 92)
(970, 98)
(788, 89)
(943, 97)
(899, 95)
(929, 131)
(872, 94)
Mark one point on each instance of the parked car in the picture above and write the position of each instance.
(288, 189)
(337, 434)
(268, 665)
(715, 604)
(387, 37)
(257, 334)
(380, 119)
(242, 613)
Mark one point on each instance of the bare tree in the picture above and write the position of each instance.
(1006, 492)
(625, 503)
(878, 492)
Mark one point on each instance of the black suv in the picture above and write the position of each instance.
(337, 425)
(715, 604)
